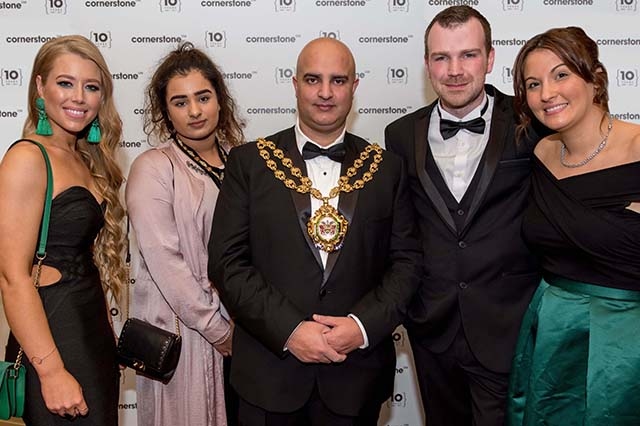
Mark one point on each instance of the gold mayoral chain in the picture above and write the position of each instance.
(327, 227)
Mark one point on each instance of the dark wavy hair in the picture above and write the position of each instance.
(458, 15)
(577, 51)
(184, 59)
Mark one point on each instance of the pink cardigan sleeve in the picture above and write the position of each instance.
(149, 199)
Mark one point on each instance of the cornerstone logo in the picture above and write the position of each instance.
(8, 113)
(378, 111)
(454, 2)
(627, 116)
(235, 75)
(385, 39)
(11, 76)
(213, 39)
(270, 110)
(126, 75)
(170, 5)
(568, 2)
(513, 5)
(285, 5)
(627, 77)
(12, 4)
(275, 39)
(341, 3)
(626, 5)
(101, 39)
(158, 39)
(398, 5)
(55, 7)
(131, 145)
(227, 3)
(402, 370)
(110, 3)
(29, 39)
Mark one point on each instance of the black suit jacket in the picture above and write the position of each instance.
(480, 275)
(271, 278)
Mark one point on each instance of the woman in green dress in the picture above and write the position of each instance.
(578, 356)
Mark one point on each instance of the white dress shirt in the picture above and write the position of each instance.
(324, 174)
(458, 157)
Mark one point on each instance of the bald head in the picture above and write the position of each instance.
(326, 47)
(325, 83)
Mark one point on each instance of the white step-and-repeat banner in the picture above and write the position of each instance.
(256, 43)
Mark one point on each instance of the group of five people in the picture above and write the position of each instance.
(502, 231)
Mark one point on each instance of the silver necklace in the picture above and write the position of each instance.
(563, 149)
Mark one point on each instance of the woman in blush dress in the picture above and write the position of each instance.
(171, 194)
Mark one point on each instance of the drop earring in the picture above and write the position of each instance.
(94, 135)
(43, 127)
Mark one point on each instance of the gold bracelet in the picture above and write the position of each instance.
(38, 361)
(223, 338)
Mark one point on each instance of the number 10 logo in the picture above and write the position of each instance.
(55, 7)
(11, 77)
(170, 5)
(626, 5)
(512, 4)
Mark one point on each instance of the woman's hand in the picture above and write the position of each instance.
(62, 394)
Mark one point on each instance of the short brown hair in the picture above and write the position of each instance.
(458, 15)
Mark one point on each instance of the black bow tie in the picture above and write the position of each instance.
(449, 128)
(335, 153)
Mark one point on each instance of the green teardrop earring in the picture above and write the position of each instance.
(43, 127)
(94, 135)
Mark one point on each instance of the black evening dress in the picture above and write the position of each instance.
(76, 310)
(577, 359)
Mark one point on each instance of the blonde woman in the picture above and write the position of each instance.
(63, 327)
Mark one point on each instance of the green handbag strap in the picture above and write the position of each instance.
(41, 252)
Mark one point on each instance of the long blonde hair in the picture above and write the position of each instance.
(108, 247)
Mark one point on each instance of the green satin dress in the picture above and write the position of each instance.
(577, 358)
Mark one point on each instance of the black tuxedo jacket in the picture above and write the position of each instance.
(479, 273)
(270, 277)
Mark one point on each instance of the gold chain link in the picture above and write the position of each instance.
(306, 186)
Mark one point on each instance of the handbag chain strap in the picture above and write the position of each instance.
(41, 252)
(128, 266)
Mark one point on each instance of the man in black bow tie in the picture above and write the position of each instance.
(316, 274)
(469, 179)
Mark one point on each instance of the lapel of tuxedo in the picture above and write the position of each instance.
(497, 138)
(302, 202)
(346, 201)
(421, 145)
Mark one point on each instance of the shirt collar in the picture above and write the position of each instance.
(474, 113)
(301, 138)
